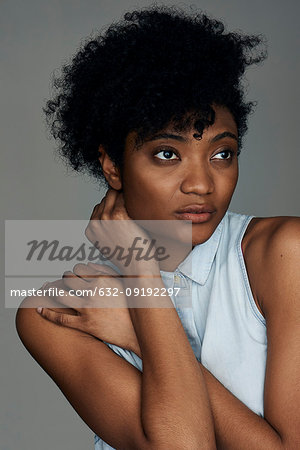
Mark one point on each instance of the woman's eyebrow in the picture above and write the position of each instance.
(180, 138)
(222, 135)
(177, 137)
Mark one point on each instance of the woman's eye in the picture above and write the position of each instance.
(224, 154)
(166, 155)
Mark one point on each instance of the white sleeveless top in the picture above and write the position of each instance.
(226, 330)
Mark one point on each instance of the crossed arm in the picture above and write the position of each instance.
(153, 410)
(183, 406)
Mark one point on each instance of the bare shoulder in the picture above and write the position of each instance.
(265, 237)
(28, 321)
(38, 334)
(87, 371)
(271, 247)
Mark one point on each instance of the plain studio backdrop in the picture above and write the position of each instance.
(37, 36)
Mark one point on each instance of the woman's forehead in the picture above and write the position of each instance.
(223, 123)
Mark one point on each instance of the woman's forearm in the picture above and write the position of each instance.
(236, 426)
(175, 404)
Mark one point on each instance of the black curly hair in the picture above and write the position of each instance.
(158, 66)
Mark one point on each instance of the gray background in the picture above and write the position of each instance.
(36, 37)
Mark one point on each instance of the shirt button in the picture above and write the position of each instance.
(176, 278)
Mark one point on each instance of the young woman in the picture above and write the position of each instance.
(155, 106)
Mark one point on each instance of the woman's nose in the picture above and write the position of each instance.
(197, 180)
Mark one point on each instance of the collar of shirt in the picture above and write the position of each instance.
(198, 263)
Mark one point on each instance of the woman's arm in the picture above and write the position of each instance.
(158, 411)
(102, 387)
(273, 258)
(174, 398)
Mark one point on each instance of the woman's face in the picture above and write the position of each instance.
(173, 172)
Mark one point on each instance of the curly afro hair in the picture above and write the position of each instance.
(158, 66)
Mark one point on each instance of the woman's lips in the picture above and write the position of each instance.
(195, 217)
(195, 213)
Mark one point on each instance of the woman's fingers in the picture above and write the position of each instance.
(115, 231)
(92, 227)
(105, 206)
(73, 282)
(110, 200)
(69, 274)
(87, 273)
(102, 269)
(63, 319)
(97, 211)
(81, 270)
(111, 207)
(68, 298)
(120, 212)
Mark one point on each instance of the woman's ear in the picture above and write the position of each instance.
(110, 170)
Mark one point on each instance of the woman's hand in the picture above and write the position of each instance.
(111, 228)
(101, 310)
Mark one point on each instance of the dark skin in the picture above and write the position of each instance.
(271, 255)
(197, 172)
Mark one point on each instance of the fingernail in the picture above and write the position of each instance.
(39, 309)
(45, 284)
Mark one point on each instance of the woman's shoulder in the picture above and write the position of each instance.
(265, 232)
(37, 333)
(270, 244)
